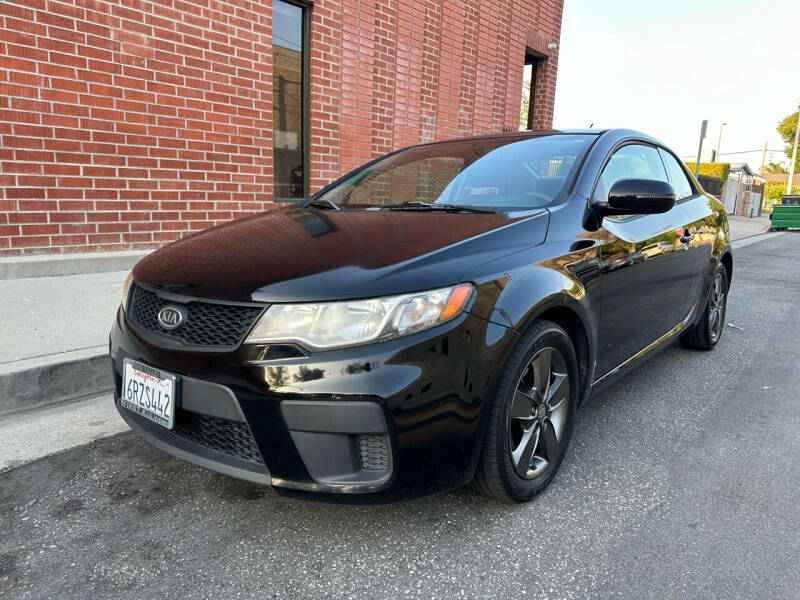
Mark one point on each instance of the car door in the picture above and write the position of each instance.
(702, 226)
(646, 269)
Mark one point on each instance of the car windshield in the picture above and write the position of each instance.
(504, 174)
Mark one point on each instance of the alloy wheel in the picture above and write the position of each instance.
(716, 312)
(538, 414)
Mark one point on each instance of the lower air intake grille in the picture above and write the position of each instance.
(228, 437)
(373, 451)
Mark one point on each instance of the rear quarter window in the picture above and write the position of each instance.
(677, 177)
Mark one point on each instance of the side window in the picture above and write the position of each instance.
(677, 177)
(633, 161)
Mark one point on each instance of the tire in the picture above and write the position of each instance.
(705, 334)
(509, 436)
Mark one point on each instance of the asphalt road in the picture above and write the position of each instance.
(682, 481)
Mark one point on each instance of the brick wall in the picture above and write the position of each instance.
(129, 123)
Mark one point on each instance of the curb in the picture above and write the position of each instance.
(49, 265)
(39, 382)
(751, 235)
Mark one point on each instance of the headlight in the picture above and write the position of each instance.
(126, 290)
(326, 325)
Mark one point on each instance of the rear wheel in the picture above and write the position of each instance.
(707, 333)
(532, 416)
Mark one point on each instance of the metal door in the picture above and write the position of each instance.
(731, 194)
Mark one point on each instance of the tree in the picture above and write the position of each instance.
(523, 113)
(775, 168)
(787, 128)
(526, 105)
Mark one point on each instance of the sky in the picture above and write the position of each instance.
(663, 66)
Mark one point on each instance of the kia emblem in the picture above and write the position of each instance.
(171, 317)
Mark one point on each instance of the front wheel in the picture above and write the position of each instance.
(532, 416)
(707, 333)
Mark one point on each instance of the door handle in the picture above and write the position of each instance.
(687, 237)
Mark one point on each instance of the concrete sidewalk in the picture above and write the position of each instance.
(742, 227)
(54, 337)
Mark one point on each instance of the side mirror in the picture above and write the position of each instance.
(638, 197)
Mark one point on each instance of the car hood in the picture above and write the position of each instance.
(292, 254)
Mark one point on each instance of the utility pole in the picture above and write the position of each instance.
(719, 142)
(703, 129)
(790, 179)
(763, 159)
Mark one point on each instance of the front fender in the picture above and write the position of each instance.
(541, 282)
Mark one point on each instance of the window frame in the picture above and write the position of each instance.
(305, 120)
(685, 171)
(617, 147)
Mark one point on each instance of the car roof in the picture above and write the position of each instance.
(617, 133)
(516, 134)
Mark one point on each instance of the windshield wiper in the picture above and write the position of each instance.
(321, 203)
(427, 206)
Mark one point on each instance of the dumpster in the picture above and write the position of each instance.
(787, 214)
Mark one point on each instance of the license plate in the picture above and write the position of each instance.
(149, 392)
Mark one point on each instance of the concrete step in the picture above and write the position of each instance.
(53, 265)
(54, 338)
(46, 380)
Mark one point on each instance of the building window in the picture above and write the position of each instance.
(288, 91)
(528, 88)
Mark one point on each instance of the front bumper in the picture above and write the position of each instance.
(382, 422)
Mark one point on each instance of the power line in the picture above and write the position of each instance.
(739, 152)
(748, 151)
(292, 46)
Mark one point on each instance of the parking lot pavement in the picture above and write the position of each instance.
(33, 434)
(681, 482)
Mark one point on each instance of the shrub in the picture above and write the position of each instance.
(714, 170)
(774, 190)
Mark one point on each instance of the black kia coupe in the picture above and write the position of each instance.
(431, 319)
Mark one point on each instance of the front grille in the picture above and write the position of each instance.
(373, 452)
(228, 437)
(207, 323)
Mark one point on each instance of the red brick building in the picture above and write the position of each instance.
(128, 123)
